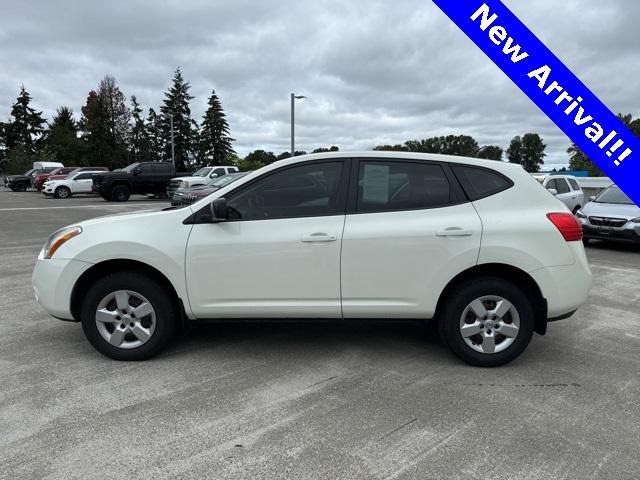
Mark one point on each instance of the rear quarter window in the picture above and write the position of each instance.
(480, 182)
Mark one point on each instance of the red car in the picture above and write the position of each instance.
(60, 173)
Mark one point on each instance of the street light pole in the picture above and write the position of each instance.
(294, 97)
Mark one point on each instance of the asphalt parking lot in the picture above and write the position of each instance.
(311, 401)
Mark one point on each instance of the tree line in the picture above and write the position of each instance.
(114, 132)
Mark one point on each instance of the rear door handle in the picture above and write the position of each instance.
(454, 232)
(319, 237)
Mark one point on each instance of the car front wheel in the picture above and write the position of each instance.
(120, 194)
(62, 192)
(487, 322)
(128, 316)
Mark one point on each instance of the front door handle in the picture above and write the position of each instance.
(319, 237)
(454, 232)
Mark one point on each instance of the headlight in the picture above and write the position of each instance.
(635, 220)
(579, 214)
(183, 184)
(59, 238)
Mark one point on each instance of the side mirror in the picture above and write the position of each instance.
(553, 191)
(137, 171)
(213, 175)
(219, 210)
(592, 198)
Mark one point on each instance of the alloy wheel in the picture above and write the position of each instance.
(125, 319)
(489, 324)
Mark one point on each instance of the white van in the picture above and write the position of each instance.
(43, 165)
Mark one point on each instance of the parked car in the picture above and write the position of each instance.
(612, 215)
(477, 245)
(200, 177)
(186, 196)
(20, 183)
(64, 172)
(566, 189)
(78, 182)
(141, 178)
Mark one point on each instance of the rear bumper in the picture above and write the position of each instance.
(53, 280)
(565, 287)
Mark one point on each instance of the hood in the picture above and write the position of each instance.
(614, 210)
(125, 216)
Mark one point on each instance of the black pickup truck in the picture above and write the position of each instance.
(142, 178)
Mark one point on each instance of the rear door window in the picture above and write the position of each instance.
(574, 184)
(561, 185)
(387, 186)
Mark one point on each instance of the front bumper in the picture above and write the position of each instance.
(53, 280)
(629, 234)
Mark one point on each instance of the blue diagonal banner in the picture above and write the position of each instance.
(552, 87)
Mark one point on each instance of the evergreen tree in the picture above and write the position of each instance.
(140, 146)
(326, 150)
(26, 129)
(215, 141)
(154, 135)
(62, 143)
(105, 124)
(176, 106)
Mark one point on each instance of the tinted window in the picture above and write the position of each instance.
(384, 186)
(304, 191)
(146, 168)
(574, 184)
(480, 182)
(219, 171)
(162, 167)
(561, 185)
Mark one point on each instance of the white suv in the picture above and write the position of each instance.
(566, 189)
(200, 177)
(477, 245)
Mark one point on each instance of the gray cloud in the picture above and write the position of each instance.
(375, 71)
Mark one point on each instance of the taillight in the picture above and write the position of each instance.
(567, 224)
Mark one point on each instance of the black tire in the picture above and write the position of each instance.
(586, 240)
(120, 193)
(19, 187)
(62, 192)
(453, 308)
(166, 315)
(575, 210)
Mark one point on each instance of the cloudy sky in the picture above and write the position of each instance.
(375, 71)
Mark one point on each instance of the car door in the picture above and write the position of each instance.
(278, 255)
(565, 195)
(409, 230)
(576, 193)
(83, 183)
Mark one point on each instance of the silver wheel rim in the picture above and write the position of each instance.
(63, 193)
(125, 319)
(489, 324)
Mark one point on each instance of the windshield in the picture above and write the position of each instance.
(613, 195)
(203, 172)
(29, 172)
(130, 168)
(226, 179)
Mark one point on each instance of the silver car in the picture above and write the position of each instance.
(611, 216)
(566, 189)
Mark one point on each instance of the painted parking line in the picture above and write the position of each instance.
(150, 205)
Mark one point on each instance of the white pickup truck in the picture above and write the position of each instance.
(200, 177)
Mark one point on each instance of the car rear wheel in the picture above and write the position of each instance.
(62, 192)
(19, 187)
(128, 316)
(120, 194)
(487, 322)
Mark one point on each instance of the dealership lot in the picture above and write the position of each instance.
(311, 400)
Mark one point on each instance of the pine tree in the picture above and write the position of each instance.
(26, 129)
(176, 106)
(62, 142)
(215, 141)
(154, 134)
(140, 146)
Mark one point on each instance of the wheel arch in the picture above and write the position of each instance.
(84, 282)
(507, 272)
